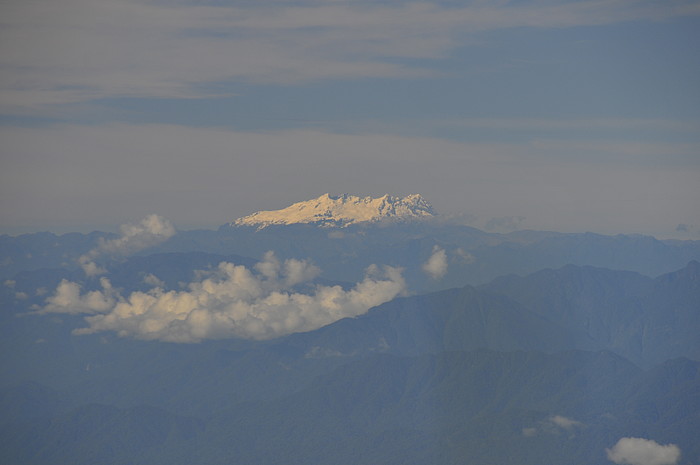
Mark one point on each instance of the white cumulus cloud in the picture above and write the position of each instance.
(639, 451)
(436, 266)
(68, 299)
(150, 231)
(230, 301)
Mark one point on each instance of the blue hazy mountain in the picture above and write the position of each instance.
(532, 348)
(437, 378)
(647, 320)
(473, 256)
(476, 407)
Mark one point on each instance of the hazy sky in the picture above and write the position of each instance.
(565, 115)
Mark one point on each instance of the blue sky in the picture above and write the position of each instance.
(574, 115)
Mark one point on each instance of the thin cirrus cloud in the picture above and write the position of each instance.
(231, 301)
(77, 50)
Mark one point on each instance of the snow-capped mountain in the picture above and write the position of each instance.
(344, 210)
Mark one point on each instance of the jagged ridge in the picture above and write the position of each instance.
(343, 210)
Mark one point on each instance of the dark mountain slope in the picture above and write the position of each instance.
(456, 319)
(468, 375)
(102, 434)
(647, 320)
(479, 407)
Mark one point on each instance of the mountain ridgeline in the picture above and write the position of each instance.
(344, 235)
(530, 348)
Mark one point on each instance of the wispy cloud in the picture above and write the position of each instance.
(150, 231)
(58, 51)
(556, 424)
(230, 301)
(564, 422)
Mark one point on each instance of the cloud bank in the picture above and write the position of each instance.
(150, 231)
(436, 266)
(230, 301)
(639, 451)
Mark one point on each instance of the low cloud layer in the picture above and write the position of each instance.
(150, 231)
(436, 266)
(230, 301)
(639, 451)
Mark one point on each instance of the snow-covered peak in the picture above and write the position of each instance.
(344, 210)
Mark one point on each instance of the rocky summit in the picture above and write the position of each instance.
(343, 210)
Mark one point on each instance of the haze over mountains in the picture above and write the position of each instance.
(324, 334)
(347, 244)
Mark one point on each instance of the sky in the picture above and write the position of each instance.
(557, 115)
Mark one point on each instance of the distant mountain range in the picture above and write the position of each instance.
(437, 378)
(343, 253)
(532, 348)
